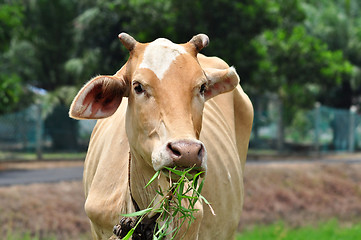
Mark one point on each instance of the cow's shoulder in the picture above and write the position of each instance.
(211, 62)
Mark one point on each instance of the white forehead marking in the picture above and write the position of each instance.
(159, 55)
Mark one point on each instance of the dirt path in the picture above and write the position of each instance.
(12, 165)
(301, 193)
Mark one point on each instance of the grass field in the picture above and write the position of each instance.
(330, 230)
(14, 236)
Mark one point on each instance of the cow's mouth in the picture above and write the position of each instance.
(176, 173)
(180, 156)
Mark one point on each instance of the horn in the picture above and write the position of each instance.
(128, 41)
(200, 41)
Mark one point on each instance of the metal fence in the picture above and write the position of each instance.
(322, 129)
(29, 131)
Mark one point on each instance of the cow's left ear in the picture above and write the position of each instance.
(99, 98)
(220, 81)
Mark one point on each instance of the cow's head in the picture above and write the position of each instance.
(166, 89)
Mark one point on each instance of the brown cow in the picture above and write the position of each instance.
(168, 106)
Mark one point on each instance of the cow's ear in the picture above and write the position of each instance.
(99, 98)
(220, 81)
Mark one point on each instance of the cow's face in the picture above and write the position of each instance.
(166, 89)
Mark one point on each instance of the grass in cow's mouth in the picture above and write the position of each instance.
(185, 189)
(176, 173)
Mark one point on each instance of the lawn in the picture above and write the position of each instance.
(331, 230)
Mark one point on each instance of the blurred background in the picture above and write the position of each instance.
(298, 60)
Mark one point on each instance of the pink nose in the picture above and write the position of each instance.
(186, 153)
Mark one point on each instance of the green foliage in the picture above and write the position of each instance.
(25, 236)
(98, 50)
(295, 48)
(300, 125)
(10, 92)
(298, 67)
(230, 26)
(11, 16)
(297, 58)
(337, 24)
(291, 14)
(49, 30)
(330, 230)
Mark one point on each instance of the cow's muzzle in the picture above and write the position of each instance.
(182, 155)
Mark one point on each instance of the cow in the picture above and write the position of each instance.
(168, 106)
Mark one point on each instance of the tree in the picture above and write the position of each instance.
(11, 90)
(282, 46)
(11, 16)
(98, 49)
(39, 55)
(49, 29)
(337, 24)
(231, 25)
(297, 66)
(176, 20)
(266, 42)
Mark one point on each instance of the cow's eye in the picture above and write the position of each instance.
(138, 88)
(203, 88)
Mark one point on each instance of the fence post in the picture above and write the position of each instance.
(280, 127)
(317, 127)
(351, 147)
(39, 133)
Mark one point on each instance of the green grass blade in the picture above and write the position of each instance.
(180, 192)
(199, 190)
(204, 199)
(129, 234)
(195, 179)
(153, 178)
(160, 193)
(139, 213)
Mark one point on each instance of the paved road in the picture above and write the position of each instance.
(17, 177)
(301, 161)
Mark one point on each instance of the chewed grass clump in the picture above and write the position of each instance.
(187, 190)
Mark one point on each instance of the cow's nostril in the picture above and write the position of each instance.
(177, 153)
(174, 150)
(201, 152)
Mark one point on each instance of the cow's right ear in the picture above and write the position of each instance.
(99, 98)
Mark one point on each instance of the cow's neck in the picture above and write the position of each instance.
(140, 174)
